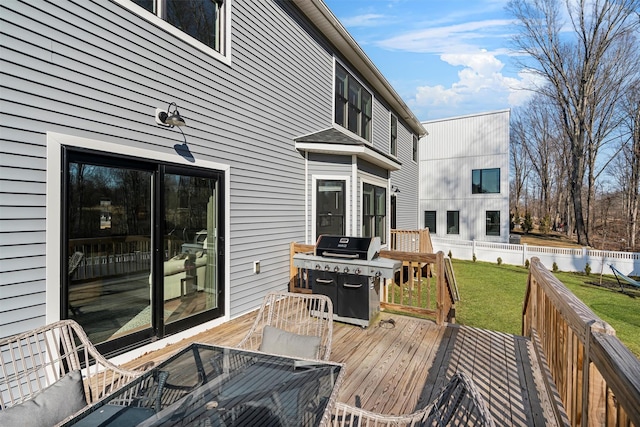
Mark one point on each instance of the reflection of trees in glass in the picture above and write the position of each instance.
(198, 18)
(186, 199)
(129, 192)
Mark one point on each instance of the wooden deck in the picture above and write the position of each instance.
(397, 368)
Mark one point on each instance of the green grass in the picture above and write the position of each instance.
(491, 297)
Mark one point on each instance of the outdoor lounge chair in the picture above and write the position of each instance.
(628, 280)
(292, 324)
(49, 373)
(458, 404)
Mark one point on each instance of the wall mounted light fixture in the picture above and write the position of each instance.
(169, 118)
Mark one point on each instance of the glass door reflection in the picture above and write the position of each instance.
(109, 244)
(190, 270)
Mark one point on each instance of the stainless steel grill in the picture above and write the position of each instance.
(348, 270)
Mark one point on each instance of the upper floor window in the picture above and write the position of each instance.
(414, 154)
(485, 181)
(394, 136)
(201, 19)
(353, 104)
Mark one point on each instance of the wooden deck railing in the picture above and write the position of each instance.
(411, 241)
(422, 286)
(595, 376)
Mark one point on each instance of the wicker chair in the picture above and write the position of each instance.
(34, 360)
(458, 404)
(302, 314)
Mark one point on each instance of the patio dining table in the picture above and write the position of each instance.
(205, 385)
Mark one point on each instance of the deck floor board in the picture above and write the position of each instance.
(399, 368)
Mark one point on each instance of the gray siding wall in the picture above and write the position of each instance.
(94, 69)
(406, 179)
(380, 128)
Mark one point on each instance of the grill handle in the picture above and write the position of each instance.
(324, 281)
(338, 255)
(348, 285)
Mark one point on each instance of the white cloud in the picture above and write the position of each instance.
(366, 20)
(480, 84)
(456, 38)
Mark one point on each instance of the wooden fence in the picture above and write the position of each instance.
(421, 287)
(595, 376)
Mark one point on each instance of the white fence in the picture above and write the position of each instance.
(567, 259)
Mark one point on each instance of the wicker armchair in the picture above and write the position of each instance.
(34, 360)
(301, 314)
(458, 404)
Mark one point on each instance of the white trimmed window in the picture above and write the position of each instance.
(353, 104)
(394, 136)
(202, 23)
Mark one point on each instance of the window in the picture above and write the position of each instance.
(394, 136)
(485, 181)
(430, 221)
(453, 222)
(353, 104)
(201, 19)
(141, 240)
(374, 212)
(414, 154)
(493, 223)
(330, 207)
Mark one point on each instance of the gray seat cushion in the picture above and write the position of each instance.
(278, 341)
(55, 403)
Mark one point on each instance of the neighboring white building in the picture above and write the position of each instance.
(464, 177)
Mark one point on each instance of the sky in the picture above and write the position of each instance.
(445, 58)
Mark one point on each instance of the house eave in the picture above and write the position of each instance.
(361, 151)
(332, 28)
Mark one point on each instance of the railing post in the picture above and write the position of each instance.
(441, 284)
(586, 361)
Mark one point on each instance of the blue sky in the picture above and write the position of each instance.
(444, 57)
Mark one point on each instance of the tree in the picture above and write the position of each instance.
(629, 165)
(577, 69)
(519, 164)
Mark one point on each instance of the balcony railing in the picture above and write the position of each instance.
(596, 376)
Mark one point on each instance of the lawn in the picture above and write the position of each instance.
(491, 297)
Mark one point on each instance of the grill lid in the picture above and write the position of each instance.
(346, 247)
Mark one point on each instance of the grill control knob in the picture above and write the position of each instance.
(327, 267)
(357, 271)
(346, 269)
(336, 268)
(378, 273)
(318, 266)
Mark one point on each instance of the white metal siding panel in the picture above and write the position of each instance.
(453, 148)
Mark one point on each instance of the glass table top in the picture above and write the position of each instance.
(204, 385)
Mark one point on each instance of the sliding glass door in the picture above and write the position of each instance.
(142, 257)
